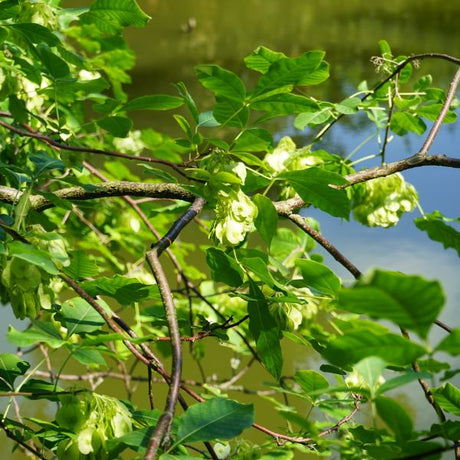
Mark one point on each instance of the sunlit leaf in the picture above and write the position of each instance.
(39, 333)
(216, 418)
(254, 140)
(311, 382)
(125, 290)
(117, 126)
(81, 265)
(79, 316)
(287, 71)
(409, 301)
(319, 276)
(224, 269)
(110, 16)
(11, 367)
(448, 397)
(314, 186)
(223, 83)
(402, 122)
(451, 344)
(262, 58)
(437, 230)
(267, 218)
(396, 418)
(29, 253)
(265, 332)
(354, 346)
(153, 102)
(36, 33)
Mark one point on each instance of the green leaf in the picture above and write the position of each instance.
(385, 49)
(189, 101)
(125, 290)
(44, 163)
(11, 367)
(153, 102)
(396, 418)
(82, 265)
(370, 369)
(267, 218)
(409, 301)
(354, 346)
(110, 16)
(317, 76)
(348, 106)
(311, 382)
(231, 112)
(319, 277)
(224, 269)
(216, 418)
(254, 140)
(313, 186)
(9, 9)
(36, 33)
(79, 316)
(207, 120)
(116, 126)
(56, 66)
(312, 119)
(33, 255)
(89, 357)
(286, 71)
(41, 389)
(448, 397)
(280, 105)
(262, 58)
(265, 331)
(402, 122)
(222, 82)
(437, 230)
(39, 333)
(451, 344)
(402, 380)
(431, 112)
(138, 439)
(259, 268)
(448, 429)
(18, 109)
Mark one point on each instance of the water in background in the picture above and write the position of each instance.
(184, 33)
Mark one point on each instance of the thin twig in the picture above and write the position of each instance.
(442, 114)
(395, 72)
(10, 434)
(301, 223)
(72, 148)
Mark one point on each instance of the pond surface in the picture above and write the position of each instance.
(185, 33)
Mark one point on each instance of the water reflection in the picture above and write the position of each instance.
(185, 33)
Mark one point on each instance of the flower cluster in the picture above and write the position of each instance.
(235, 212)
(287, 157)
(382, 201)
(94, 421)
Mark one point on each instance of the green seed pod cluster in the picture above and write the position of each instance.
(94, 421)
(22, 280)
(381, 202)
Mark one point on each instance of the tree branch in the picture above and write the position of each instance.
(163, 426)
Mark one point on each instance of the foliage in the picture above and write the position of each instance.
(74, 244)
